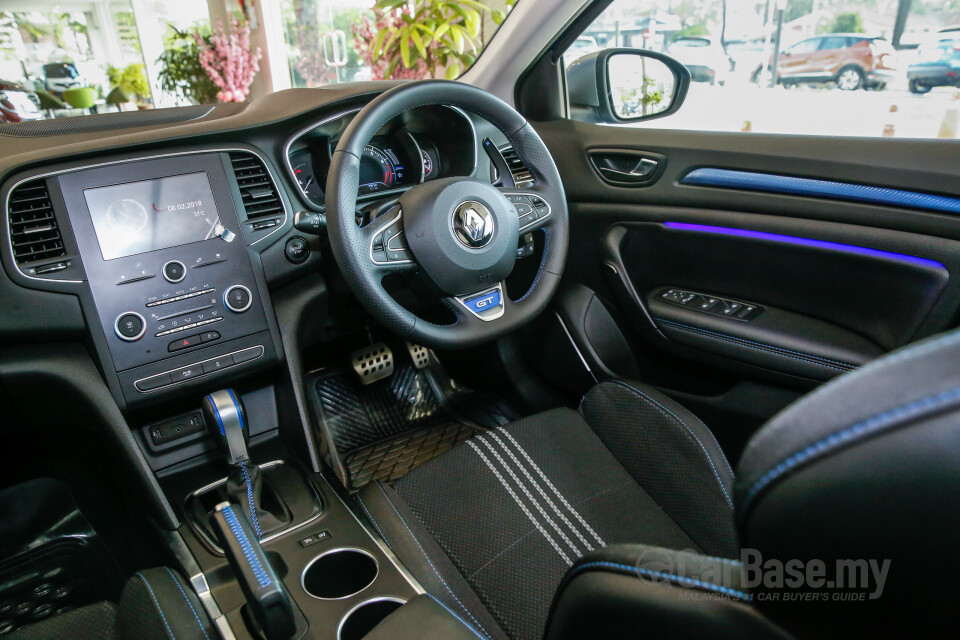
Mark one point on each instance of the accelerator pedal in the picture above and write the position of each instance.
(372, 363)
(420, 355)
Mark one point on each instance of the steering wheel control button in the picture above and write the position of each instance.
(237, 298)
(390, 244)
(312, 223)
(473, 224)
(130, 326)
(486, 305)
(174, 271)
(297, 250)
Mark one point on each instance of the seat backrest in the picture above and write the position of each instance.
(854, 492)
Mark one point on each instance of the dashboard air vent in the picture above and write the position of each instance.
(521, 175)
(260, 197)
(34, 233)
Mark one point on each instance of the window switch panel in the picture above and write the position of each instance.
(706, 303)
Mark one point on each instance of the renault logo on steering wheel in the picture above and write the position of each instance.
(473, 224)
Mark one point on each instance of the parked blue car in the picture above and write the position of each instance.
(937, 65)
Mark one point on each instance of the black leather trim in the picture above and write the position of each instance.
(613, 592)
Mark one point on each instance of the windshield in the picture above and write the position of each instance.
(131, 55)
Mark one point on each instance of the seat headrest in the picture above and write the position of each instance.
(865, 470)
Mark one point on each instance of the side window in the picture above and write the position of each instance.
(835, 42)
(807, 46)
(741, 81)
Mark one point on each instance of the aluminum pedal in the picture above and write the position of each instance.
(420, 355)
(373, 363)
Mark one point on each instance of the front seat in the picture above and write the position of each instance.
(155, 604)
(625, 517)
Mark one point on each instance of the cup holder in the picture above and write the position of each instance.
(339, 573)
(364, 617)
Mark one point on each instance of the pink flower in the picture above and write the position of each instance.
(229, 62)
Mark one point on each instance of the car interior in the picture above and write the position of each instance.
(435, 359)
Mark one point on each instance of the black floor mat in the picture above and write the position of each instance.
(383, 430)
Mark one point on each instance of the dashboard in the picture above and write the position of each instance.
(164, 249)
(418, 146)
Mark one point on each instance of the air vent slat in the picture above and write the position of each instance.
(521, 175)
(260, 197)
(34, 233)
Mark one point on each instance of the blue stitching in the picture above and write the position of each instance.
(253, 506)
(844, 436)
(455, 312)
(462, 621)
(196, 617)
(263, 578)
(430, 562)
(768, 347)
(690, 431)
(907, 353)
(373, 521)
(709, 586)
(156, 604)
(543, 263)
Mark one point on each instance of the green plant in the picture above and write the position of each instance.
(131, 80)
(846, 23)
(180, 71)
(438, 33)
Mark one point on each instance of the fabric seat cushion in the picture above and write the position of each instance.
(491, 527)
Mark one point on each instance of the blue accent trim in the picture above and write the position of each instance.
(216, 413)
(195, 616)
(485, 302)
(462, 621)
(156, 603)
(772, 183)
(253, 505)
(263, 578)
(237, 406)
(693, 582)
(846, 436)
(808, 242)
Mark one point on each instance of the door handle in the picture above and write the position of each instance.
(626, 168)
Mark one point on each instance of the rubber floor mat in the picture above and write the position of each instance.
(383, 430)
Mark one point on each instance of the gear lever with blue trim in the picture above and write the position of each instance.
(227, 423)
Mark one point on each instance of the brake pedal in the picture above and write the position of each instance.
(373, 363)
(419, 354)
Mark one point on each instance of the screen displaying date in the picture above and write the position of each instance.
(138, 217)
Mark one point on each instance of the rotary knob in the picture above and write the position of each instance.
(237, 298)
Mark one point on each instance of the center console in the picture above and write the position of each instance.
(171, 285)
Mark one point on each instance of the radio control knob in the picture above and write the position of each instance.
(174, 271)
(130, 326)
(237, 298)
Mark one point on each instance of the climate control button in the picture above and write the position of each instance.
(174, 271)
(130, 326)
(237, 298)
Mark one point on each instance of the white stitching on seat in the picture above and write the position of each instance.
(559, 495)
(530, 496)
(516, 499)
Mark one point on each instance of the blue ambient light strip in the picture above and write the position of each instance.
(808, 242)
(753, 181)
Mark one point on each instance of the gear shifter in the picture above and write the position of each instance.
(227, 422)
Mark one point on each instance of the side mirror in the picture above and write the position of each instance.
(626, 85)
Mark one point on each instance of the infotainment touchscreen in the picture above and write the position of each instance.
(137, 217)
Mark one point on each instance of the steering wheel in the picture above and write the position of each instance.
(460, 233)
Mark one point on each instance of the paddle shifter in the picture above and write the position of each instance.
(227, 422)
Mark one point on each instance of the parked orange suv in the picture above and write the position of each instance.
(852, 60)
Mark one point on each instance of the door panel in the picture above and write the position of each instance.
(837, 280)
